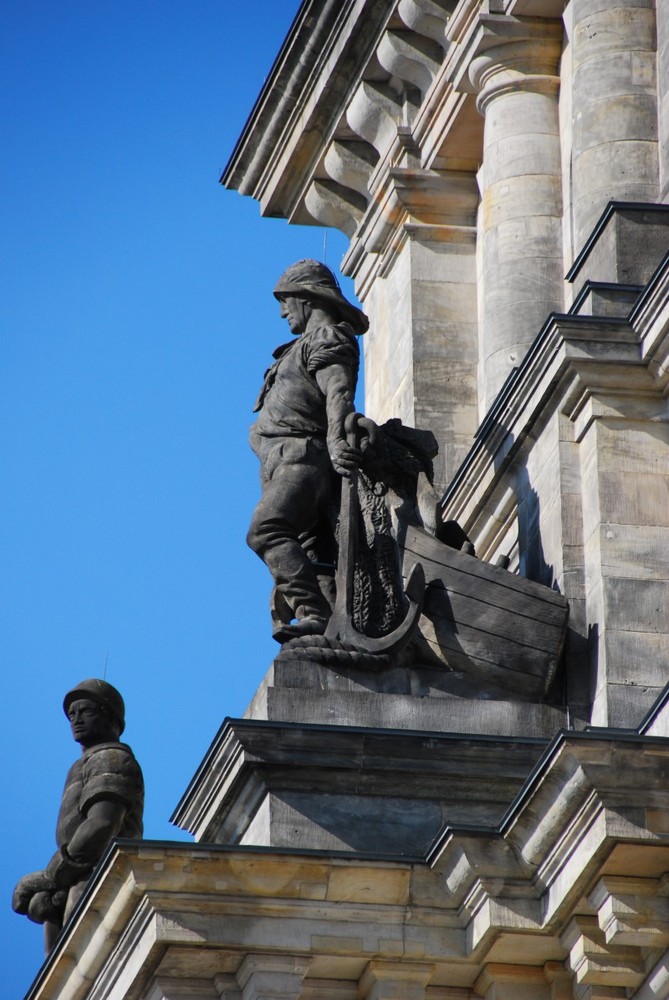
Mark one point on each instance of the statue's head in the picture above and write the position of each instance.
(96, 712)
(313, 283)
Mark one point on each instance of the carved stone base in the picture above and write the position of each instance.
(421, 698)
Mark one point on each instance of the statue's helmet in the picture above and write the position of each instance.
(311, 279)
(101, 692)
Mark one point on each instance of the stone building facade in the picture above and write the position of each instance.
(501, 168)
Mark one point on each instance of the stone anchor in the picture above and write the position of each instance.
(340, 627)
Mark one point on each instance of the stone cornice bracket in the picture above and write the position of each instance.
(274, 975)
(413, 55)
(350, 163)
(427, 17)
(333, 205)
(633, 911)
(340, 199)
(594, 963)
(411, 58)
(375, 113)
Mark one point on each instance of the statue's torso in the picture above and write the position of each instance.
(106, 771)
(291, 404)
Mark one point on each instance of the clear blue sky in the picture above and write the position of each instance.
(136, 321)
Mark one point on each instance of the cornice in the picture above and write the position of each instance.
(477, 888)
(577, 365)
(650, 320)
(572, 360)
(250, 758)
(382, 86)
(323, 55)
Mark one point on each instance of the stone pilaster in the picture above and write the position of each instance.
(414, 262)
(519, 228)
(421, 351)
(559, 979)
(625, 481)
(613, 108)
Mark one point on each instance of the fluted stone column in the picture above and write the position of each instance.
(519, 229)
(613, 107)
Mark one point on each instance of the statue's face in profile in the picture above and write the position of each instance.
(89, 724)
(296, 311)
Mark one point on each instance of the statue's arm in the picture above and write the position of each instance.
(103, 822)
(337, 383)
(78, 857)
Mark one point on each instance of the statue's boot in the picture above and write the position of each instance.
(311, 625)
(297, 590)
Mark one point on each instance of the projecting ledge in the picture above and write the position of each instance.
(297, 785)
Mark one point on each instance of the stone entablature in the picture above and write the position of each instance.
(568, 891)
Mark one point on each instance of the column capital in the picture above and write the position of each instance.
(511, 53)
(383, 980)
(514, 66)
(272, 977)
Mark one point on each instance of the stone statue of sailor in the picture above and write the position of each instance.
(300, 440)
(103, 798)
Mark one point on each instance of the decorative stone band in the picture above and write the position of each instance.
(515, 65)
(501, 81)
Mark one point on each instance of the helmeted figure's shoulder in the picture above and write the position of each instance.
(330, 344)
(110, 770)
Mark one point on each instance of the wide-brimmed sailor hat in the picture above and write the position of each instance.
(312, 279)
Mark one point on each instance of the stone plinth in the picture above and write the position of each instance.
(328, 787)
(419, 698)
(605, 299)
(625, 247)
(343, 759)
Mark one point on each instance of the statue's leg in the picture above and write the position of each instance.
(281, 613)
(51, 932)
(74, 895)
(296, 486)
